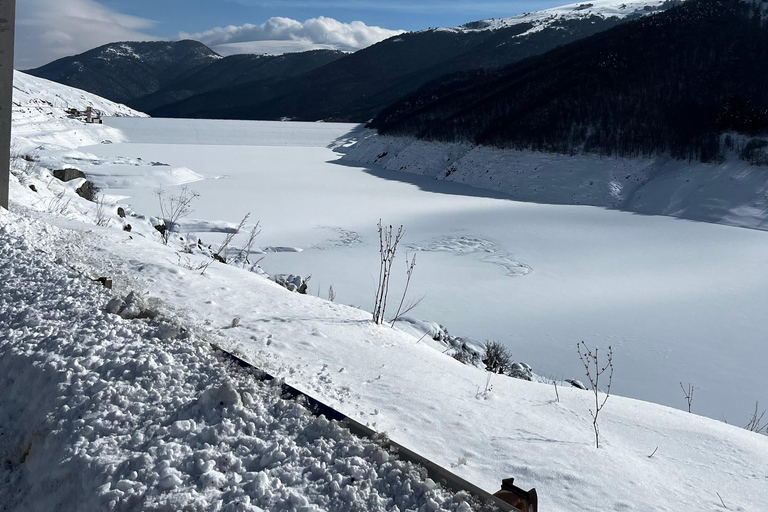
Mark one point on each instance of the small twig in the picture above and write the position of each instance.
(421, 338)
(654, 453)
(409, 272)
(556, 393)
(755, 424)
(688, 394)
(721, 499)
(225, 245)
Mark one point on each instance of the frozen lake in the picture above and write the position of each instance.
(679, 301)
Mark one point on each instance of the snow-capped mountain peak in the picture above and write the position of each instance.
(539, 20)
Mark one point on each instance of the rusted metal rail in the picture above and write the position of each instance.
(502, 501)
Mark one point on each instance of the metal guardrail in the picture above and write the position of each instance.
(436, 472)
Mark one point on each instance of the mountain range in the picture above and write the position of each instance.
(188, 79)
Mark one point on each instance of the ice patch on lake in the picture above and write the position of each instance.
(205, 226)
(272, 249)
(344, 238)
(489, 252)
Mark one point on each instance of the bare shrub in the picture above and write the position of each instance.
(217, 256)
(388, 241)
(688, 394)
(101, 217)
(23, 165)
(187, 263)
(755, 422)
(594, 371)
(486, 393)
(245, 253)
(496, 357)
(331, 294)
(172, 208)
(58, 204)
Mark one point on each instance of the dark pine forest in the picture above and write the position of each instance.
(671, 83)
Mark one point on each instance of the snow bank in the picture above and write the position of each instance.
(98, 412)
(732, 193)
(40, 117)
(31, 91)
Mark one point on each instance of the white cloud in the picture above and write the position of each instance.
(49, 29)
(269, 47)
(314, 33)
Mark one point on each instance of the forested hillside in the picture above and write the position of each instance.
(125, 71)
(188, 79)
(356, 87)
(673, 82)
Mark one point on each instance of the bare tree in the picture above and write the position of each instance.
(388, 241)
(755, 422)
(331, 294)
(688, 394)
(594, 371)
(217, 256)
(172, 208)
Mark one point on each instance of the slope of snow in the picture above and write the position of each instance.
(30, 91)
(40, 117)
(98, 412)
(140, 414)
(582, 10)
(731, 193)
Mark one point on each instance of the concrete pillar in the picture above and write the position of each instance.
(7, 26)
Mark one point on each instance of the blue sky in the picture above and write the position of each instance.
(176, 16)
(50, 29)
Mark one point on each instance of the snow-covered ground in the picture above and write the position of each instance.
(732, 193)
(97, 409)
(666, 294)
(100, 412)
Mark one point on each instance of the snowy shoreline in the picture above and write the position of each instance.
(731, 193)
